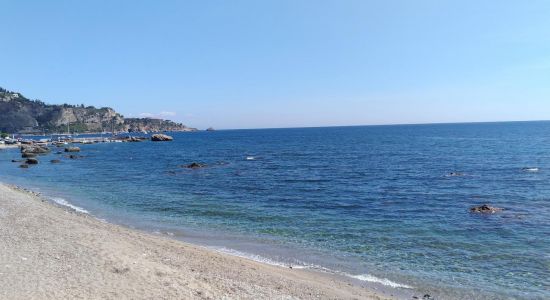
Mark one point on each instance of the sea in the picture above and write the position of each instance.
(386, 206)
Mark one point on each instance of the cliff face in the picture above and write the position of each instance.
(19, 114)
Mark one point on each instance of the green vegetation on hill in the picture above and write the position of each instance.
(19, 114)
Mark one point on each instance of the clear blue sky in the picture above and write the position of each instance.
(249, 64)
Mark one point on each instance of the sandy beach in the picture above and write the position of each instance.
(50, 252)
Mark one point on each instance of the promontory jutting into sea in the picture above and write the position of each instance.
(426, 211)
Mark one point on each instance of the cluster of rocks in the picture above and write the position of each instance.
(161, 138)
(29, 151)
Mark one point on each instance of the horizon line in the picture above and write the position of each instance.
(389, 124)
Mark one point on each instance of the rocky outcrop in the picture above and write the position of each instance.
(35, 149)
(22, 115)
(161, 138)
(485, 209)
(153, 125)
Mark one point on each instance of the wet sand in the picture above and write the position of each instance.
(51, 252)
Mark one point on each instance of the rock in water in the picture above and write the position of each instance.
(161, 138)
(72, 149)
(31, 161)
(195, 166)
(24, 166)
(28, 155)
(55, 161)
(485, 209)
(36, 149)
(210, 129)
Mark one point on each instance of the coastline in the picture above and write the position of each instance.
(55, 252)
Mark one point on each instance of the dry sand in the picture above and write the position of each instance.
(49, 252)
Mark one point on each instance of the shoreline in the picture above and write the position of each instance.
(103, 260)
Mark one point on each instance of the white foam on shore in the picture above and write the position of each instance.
(301, 265)
(64, 202)
(254, 257)
(383, 281)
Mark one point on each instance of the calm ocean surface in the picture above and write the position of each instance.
(375, 202)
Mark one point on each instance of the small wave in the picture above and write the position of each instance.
(384, 281)
(64, 202)
(255, 257)
(302, 265)
(530, 169)
(250, 158)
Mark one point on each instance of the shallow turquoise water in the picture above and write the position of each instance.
(374, 200)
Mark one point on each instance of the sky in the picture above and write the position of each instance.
(284, 63)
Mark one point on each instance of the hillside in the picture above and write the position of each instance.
(152, 125)
(19, 114)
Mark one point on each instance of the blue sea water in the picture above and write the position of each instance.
(375, 202)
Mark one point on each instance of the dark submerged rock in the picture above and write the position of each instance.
(456, 174)
(485, 209)
(24, 166)
(161, 138)
(55, 161)
(194, 165)
(31, 161)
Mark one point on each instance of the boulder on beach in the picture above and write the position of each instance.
(161, 138)
(485, 209)
(72, 149)
(194, 165)
(31, 161)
